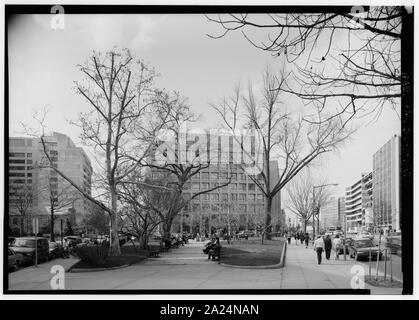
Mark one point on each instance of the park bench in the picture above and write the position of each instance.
(154, 253)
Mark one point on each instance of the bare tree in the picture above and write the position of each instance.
(21, 201)
(284, 137)
(119, 127)
(142, 209)
(348, 60)
(302, 202)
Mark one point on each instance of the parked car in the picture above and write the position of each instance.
(74, 240)
(14, 260)
(26, 247)
(56, 250)
(365, 235)
(10, 240)
(394, 241)
(361, 248)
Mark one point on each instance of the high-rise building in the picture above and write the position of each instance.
(358, 202)
(32, 182)
(329, 213)
(241, 197)
(386, 191)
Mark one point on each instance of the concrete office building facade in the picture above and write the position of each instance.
(386, 192)
(26, 156)
(358, 200)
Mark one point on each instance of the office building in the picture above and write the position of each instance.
(329, 214)
(31, 182)
(357, 202)
(386, 191)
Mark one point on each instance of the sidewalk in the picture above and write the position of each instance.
(31, 278)
(302, 271)
(188, 268)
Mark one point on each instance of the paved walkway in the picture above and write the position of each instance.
(188, 268)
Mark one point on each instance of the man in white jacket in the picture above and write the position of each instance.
(319, 247)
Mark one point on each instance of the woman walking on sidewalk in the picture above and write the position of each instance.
(319, 247)
(336, 246)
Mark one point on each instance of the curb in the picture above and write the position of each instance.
(76, 270)
(271, 266)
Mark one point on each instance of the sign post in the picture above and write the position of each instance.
(35, 226)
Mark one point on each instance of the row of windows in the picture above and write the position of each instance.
(20, 168)
(231, 186)
(251, 208)
(20, 181)
(232, 197)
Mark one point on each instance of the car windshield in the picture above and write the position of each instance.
(363, 244)
(25, 243)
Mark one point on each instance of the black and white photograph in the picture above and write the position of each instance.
(200, 149)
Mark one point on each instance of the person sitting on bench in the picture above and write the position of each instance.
(215, 250)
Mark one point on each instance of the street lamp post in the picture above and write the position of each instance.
(314, 207)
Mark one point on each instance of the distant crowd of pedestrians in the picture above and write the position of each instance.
(322, 243)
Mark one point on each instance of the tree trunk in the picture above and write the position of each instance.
(114, 248)
(144, 241)
(52, 238)
(167, 226)
(268, 217)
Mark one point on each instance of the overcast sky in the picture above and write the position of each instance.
(42, 69)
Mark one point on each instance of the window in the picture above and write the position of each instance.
(251, 197)
(16, 161)
(16, 168)
(242, 208)
(205, 196)
(29, 161)
(233, 197)
(215, 196)
(195, 176)
(242, 187)
(252, 208)
(214, 176)
(214, 184)
(205, 185)
(251, 187)
(242, 196)
(242, 176)
(233, 176)
(29, 155)
(223, 176)
(224, 197)
(204, 175)
(16, 155)
(233, 186)
(16, 174)
(260, 197)
(195, 185)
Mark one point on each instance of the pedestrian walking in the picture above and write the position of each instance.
(289, 237)
(319, 247)
(336, 246)
(301, 237)
(296, 238)
(306, 239)
(327, 246)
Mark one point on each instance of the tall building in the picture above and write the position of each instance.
(386, 191)
(241, 197)
(39, 185)
(358, 202)
(329, 213)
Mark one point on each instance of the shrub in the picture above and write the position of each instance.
(92, 254)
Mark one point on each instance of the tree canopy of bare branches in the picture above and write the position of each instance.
(284, 136)
(302, 200)
(348, 61)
